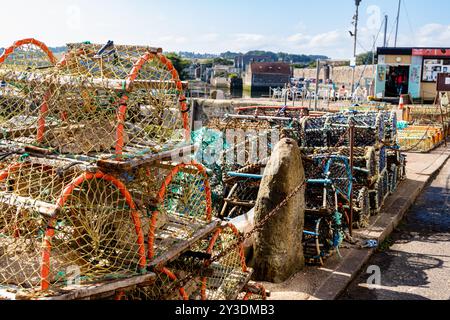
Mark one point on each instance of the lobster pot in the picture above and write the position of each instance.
(322, 235)
(22, 98)
(210, 145)
(393, 178)
(339, 173)
(180, 279)
(244, 142)
(113, 103)
(116, 102)
(229, 274)
(171, 215)
(255, 292)
(59, 223)
(376, 121)
(275, 111)
(385, 182)
(382, 160)
(317, 195)
(313, 133)
(365, 161)
(377, 197)
(368, 164)
(193, 276)
(369, 129)
(402, 168)
(361, 208)
(227, 147)
(255, 148)
(183, 208)
(166, 287)
(393, 157)
(390, 120)
(241, 196)
(394, 165)
(336, 130)
(231, 124)
(421, 138)
(329, 180)
(338, 136)
(422, 115)
(7, 157)
(27, 54)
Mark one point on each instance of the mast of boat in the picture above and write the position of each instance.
(355, 35)
(398, 21)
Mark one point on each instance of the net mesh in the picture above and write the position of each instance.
(194, 276)
(242, 193)
(63, 221)
(361, 207)
(165, 287)
(254, 292)
(184, 207)
(230, 273)
(109, 101)
(54, 222)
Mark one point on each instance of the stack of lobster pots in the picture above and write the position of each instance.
(378, 163)
(423, 128)
(97, 201)
(378, 167)
(333, 185)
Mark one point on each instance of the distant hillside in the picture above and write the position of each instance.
(194, 55)
(55, 50)
(298, 59)
(287, 57)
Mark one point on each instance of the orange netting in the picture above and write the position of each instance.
(110, 101)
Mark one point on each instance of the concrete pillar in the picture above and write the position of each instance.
(278, 246)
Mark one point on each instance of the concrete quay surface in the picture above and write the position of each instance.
(331, 280)
(413, 264)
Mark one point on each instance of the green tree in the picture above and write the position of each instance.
(179, 64)
(219, 61)
(312, 64)
(365, 58)
(223, 62)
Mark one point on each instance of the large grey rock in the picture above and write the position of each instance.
(278, 246)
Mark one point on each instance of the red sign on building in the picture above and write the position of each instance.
(431, 52)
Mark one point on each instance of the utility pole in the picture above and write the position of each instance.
(398, 21)
(385, 30)
(316, 96)
(355, 35)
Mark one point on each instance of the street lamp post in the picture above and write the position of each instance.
(355, 35)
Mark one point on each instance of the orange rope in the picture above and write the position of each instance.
(50, 233)
(212, 243)
(32, 41)
(162, 194)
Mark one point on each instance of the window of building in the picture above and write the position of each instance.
(432, 67)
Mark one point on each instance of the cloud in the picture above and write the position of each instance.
(331, 43)
(249, 37)
(327, 40)
(298, 38)
(434, 35)
(173, 39)
(209, 37)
